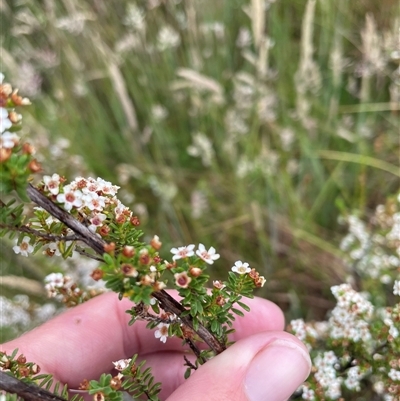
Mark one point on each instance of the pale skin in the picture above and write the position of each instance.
(265, 363)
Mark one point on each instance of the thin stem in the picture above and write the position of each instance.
(40, 234)
(85, 235)
(29, 392)
(188, 363)
(172, 305)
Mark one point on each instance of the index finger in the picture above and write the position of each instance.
(82, 342)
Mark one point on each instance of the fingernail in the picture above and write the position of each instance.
(276, 372)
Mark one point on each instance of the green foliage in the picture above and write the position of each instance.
(28, 372)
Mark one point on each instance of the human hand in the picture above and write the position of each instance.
(265, 363)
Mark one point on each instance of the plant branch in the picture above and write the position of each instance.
(97, 244)
(50, 237)
(84, 234)
(172, 305)
(29, 392)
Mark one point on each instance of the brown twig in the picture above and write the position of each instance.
(189, 364)
(29, 392)
(40, 234)
(84, 234)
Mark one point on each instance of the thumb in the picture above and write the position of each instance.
(267, 366)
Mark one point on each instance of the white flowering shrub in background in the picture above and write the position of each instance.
(358, 348)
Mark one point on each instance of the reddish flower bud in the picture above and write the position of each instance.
(128, 251)
(133, 370)
(5, 154)
(16, 98)
(220, 300)
(128, 270)
(260, 281)
(98, 396)
(24, 371)
(134, 220)
(195, 271)
(109, 248)
(144, 258)
(156, 243)
(97, 274)
(146, 280)
(14, 117)
(187, 332)
(21, 359)
(158, 286)
(104, 231)
(5, 90)
(28, 149)
(81, 184)
(253, 274)
(84, 385)
(115, 383)
(121, 218)
(34, 166)
(218, 285)
(169, 265)
(35, 369)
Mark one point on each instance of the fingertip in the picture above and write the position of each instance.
(264, 315)
(269, 365)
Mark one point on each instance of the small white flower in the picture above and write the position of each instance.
(396, 287)
(97, 221)
(55, 280)
(394, 374)
(8, 140)
(121, 364)
(5, 122)
(241, 268)
(219, 285)
(208, 256)
(182, 252)
(51, 249)
(23, 248)
(52, 183)
(106, 187)
(93, 201)
(70, 198)
(162, 332)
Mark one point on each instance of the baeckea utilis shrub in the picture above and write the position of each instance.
(356, 352)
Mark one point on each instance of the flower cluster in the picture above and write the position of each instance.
(18, 366)
(359, 344)
(88, 195)
(66, 290)
(23, 248)
(373, 248)
(15, 171)
(350, 318)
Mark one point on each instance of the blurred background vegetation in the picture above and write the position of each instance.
(250, 126)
